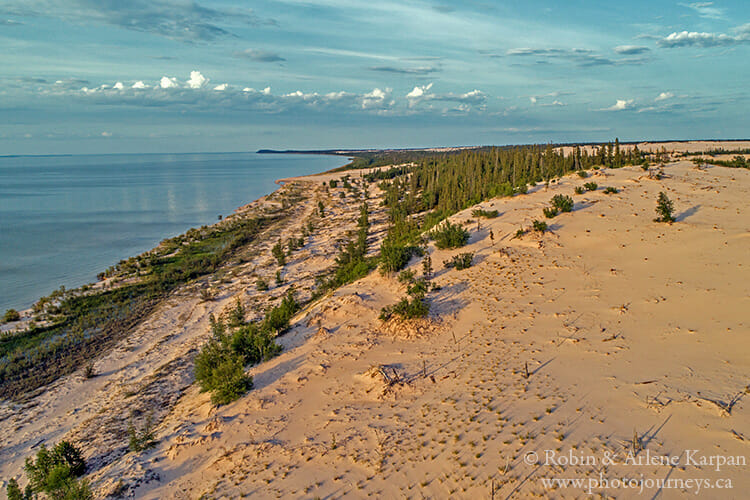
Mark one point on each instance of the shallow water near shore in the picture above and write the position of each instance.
(63, 219)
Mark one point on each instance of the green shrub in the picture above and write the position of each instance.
(611, 190)
(549, 212)
(563, 203)
(460, 261)
(540, 226)
(412, 306)
(278, 253)
(579, 190)
(487, 214)
(520, 232)
(394, 257)
(450, 236)
(14, 491)
(55, 472)
(582, 174)
(11, 315)
(406, 276)
(321, 209)
(143, 439)
(261, 285)
(333, 183)
(427, 266)
(277, 318)
(220, 371)
(664, 209)
(590, 186)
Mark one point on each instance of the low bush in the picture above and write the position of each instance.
(590, 186)
(11, 315)
(549, 212)
(540, 226)
(139, 440)
(611, 190)
(579, 190)
(55, 472)
(562, 202)
(220, 365)
(487, 214)
(413, 305)
(582, 174)
(278, 253)
(449, 235)
(460, 261)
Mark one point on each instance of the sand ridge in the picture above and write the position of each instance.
(610, 333)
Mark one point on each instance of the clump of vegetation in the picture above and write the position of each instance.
(738, 161)
(54, 473)
(590, 186)
(519, 233)
(321, 209)
(487, 214)
(549, 212)
(563, 203)
(139, 440)
(11, 315)
(352, 262)
(449, 235)
(427, 266)
(261, 285)
(582, 174)
(220, 365)
(664, 209)
(278, 253)
(333, 183)
(460, 262)
(578, 190)
(539, 226)
(611, 190)
(414, 305)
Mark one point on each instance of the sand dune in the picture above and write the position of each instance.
(610, 334)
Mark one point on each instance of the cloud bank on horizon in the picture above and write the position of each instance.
(181, 75)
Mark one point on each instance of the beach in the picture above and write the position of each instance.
(608, 336)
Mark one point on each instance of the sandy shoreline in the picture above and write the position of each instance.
(608, 333)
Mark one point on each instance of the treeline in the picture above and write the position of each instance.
(440, 185)
(738, 161)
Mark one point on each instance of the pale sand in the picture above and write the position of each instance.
(627, 327)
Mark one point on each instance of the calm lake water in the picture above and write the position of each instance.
(63, 219)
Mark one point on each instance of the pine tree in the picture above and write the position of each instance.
(664, 209)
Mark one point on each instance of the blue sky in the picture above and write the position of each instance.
(90, 76)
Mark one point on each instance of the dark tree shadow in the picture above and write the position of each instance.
(687, 213)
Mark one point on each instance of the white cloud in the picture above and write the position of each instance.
(118, 86)
(375, 99)
(223, 86)
(196, 80)
(532, 99)
(419, 91)
(631, 49)
(167, 82)
(139, 85)
(706, 10)
(703, 39)
(106, 134)
(664, 96)
(620, 105)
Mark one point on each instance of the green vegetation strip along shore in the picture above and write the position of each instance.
(82, 323)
